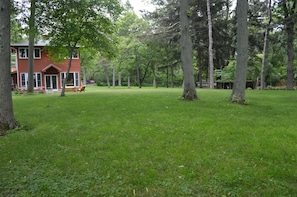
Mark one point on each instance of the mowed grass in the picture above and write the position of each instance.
(147, 142)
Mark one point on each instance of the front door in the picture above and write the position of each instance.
(51, 82)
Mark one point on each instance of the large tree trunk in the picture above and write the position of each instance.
(7, 120)
(189, 92)
(30, 87)
(290, 13)
(210, 50)
(290, 52)
(238, 93)
(265, 50)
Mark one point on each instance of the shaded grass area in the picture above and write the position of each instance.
(120, 142)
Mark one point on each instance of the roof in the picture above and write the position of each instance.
(49, 66)
(39, 43)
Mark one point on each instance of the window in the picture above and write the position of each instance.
(76, 79)
(37, 53)
(75, 54)
(24, 80)
(36, 78)
(24, 53)
(72, 80)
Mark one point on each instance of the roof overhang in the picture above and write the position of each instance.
(39, 43)
(51, 66)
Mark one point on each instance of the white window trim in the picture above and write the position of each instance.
(27, 53)
(39, 53)
(21, 80)
(51, 82)
(36, 83)
(26, 80)
(76, 51)
(75, 79)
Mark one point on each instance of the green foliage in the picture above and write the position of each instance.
(57, 53)
(120, 142)
(254, 66)
(89, 59)
(86, 23)
(13, 59)
(15, 24)
(135, 50)
(226, 74)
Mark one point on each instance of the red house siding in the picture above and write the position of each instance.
(48, 73)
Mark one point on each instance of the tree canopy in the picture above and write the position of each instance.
(87, 23)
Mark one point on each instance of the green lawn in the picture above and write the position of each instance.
(147, 142)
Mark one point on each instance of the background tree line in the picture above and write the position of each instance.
(158, 33)
(149, 48)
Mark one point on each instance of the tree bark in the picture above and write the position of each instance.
(171, 76)
(200, 69)
(167, 77)
(106, 75)
(7, 120)
(119, 80)
(290, 52)
(289, 26)
(30, 87)
(265, 50)
(137, 68)
(155, 76)
(67, 74)
(238, 93)
(113, 77)
(210, 47)
(85, 76)
(129, 81)
(189, 92)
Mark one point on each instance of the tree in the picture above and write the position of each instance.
(86, 23)
(167, 21)
(7, 120)
(106, 65)
(186, 47)
(238, 93)
(89, 59)
(135, 56)
(210, 51)
(16, 30)
(30, 88)
(289, 8)
(265, 50)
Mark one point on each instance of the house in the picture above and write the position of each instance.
(48, 75)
